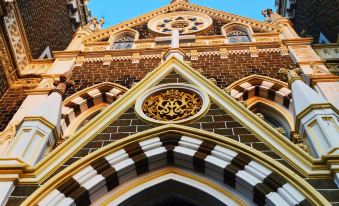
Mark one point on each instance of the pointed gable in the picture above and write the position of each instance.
(220, 18)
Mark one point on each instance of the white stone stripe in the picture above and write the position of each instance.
(223, 153)
(290, 194)
(150, 144)
(274, 199)
(84, 175)
(53, 198)
(257, 170)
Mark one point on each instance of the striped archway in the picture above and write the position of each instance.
(261, 86)
(260, 178)
(104, 93)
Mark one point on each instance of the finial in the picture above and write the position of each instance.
(95, 25)
(173, 1)
(269, 15)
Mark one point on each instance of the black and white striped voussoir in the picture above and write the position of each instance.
(265, 89)
(86, 101)
(235, 169)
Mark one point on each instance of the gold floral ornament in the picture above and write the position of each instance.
(172, 105)
(175, 103)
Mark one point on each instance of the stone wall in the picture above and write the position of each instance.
(47, 23)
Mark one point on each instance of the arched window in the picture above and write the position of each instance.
(237, 36)
(124, 42)
(272, 116)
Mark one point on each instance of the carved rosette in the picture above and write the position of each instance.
(172, 103)
(185, 21)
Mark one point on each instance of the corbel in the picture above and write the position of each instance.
(79, 61)
(107, 60)
(194, 55)
(254, 51)
(136, 58)
(284, 50)
(223, 53)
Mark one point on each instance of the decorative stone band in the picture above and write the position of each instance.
(262, 88)
(82, 101)
(234, 169)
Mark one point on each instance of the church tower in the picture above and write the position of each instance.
(184, 105)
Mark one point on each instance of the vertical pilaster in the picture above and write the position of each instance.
(315, 118)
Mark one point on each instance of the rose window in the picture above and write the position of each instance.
(185, 22)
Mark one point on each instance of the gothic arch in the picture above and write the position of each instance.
(83, 103)
(130, 33)
(224, 160)
(237, 26)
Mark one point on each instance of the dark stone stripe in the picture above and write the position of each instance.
(170, 141)
(89, 99)
(199, 161)
(271, 94)
(103, 91)
(170, 153)
(257, 89)
(230, 172)
(103, 168)
(66, 118)
(71, 188)
(260, 191)
(245, 95)
(199, 157)
(274, 181)
(75, 107)
(141, 163)
(241, 160)
(207, 147)
(136, 153)
(286, 102)
(305, 202)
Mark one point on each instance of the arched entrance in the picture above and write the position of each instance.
(224, 162)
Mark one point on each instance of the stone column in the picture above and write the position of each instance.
(317, 121)
(38, 132)
(315, 117)
(5, 191)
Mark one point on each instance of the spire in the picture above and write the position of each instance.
(173, 1)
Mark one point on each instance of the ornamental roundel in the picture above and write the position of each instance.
(172, 103)
(185, 21)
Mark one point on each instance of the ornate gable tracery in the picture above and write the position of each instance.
(256, 25)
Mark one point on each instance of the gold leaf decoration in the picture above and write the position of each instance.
(172, 105)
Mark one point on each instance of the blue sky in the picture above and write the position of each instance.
(116, 11)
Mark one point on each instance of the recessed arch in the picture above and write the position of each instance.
(129, 192)
(124, 38)
(83, 103)
(261, 178)
(271, 109)
(238, 30)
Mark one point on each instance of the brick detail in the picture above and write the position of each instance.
(9, 104)
(237, 66)
(47, 23)
(315, 16)
(120, 72)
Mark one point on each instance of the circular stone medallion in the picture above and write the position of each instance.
(172, 103)
(185, 21)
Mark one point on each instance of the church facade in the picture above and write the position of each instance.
(184, 105)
